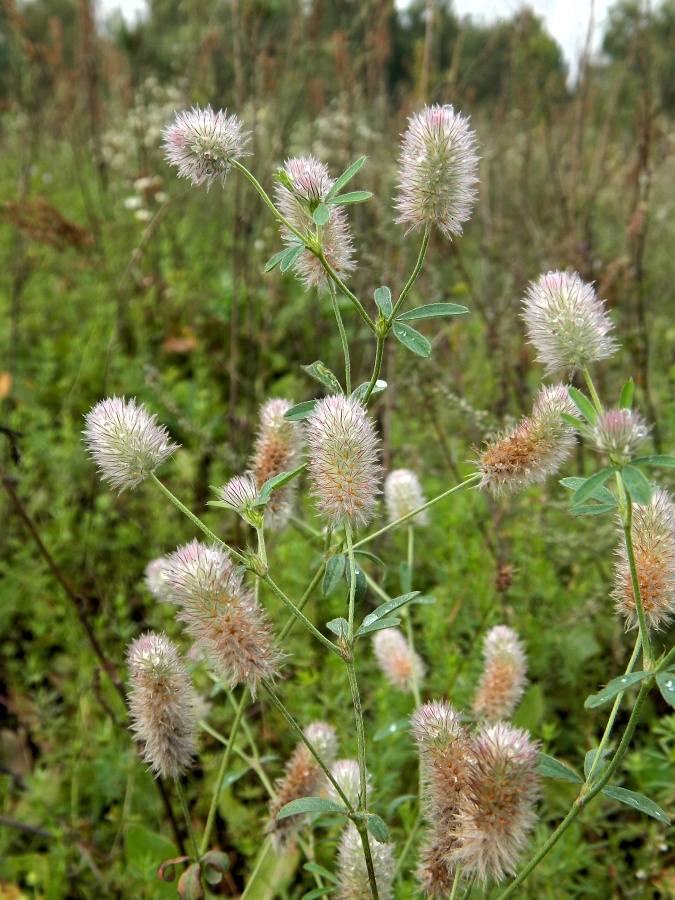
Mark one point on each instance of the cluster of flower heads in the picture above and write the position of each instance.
(653, 536)
(403, 494)
(162, 704)
(481, 788)
(402, 666)
(534, 449)
(305, 186)
(504, 675)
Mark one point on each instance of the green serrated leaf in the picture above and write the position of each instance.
(360, 392)
(616, 686)
(319, 870)
(300, 411)
(392, 728)
(626, 399)
(659, 459)
(346, 176)
(603, 494)
(637, 801)
(412, 339)
(274, 261)
(340, 627)
(637, 485)
(549, 767)
(666, 683)
(583, 404)
(590, 486)
(378, 625)
(352, 197)
(290, 256)
(383, 301)
(431, 310)
(310, 805)
(273, 484)
(335, 568)
(378, 829)
(321, 214)
(592, 509)
(323, 374)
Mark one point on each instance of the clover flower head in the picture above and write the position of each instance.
(619, 433)
(278, 448)
(352, 874)
(347, 774)
(400, 666)
(504, 676)
(156, 579)
(403, 494)
(202, 144)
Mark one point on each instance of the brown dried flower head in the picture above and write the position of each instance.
(504, 677)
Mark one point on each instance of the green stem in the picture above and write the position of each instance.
(627, 520)
(193, 518)
(261, 190)
(188, 820)
(455, 883)
(469, 482)
(343, 338)
(409, 624)
(259, 863)
(302, 602)
(415, 272)
(591, 387)
(300, 616)
(345, 290)
(221, 774)
(376, 369)
(406, 847)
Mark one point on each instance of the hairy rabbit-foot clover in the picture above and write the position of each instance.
(619, 433)
(229, 628)
(504, 677)
(403, 494)
(653, 537)
(155, 579)
(306, 184)
(125, 442)
(437, 171)
(343, 460)
(400, 666)
(352, 873)
(240, 493)
(278, 448)
(162, 704)
(303, 778)
(203, 143)
(347, 774)
(566, 322)
(534, 449)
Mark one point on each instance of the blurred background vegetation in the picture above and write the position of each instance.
(117, 279)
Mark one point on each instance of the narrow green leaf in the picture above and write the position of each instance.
(589, 759)
(379, 625)
(399, 801)
(424, 600)
(373, 558)
(321, 214)
(616, 686)
(360, 392)
(352, 197)
(300, 411)
(274, 261)
(361, 585)
(626, 399)
(383, 301)
(590, 486)
(549, 767)
(392, 728)
(310, 805)
(412, 339)
(382, 612)
(603, 494)
(405, 574)
(592, 509)
(637, 485)
(572, 420)
(637, 801)
(378, 829)
(666, 462)
(290, 256)
(317, 892)
(231, 777)
(323, 374)
(319, 870)
(335, 568)
(432, 310)
(583, 404)
(346, 176)
(340, 627)
(666, 683)
(273, 484)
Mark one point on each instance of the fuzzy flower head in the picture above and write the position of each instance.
(403, 494)
(240, 494)
(278, 448)
(343, 460)
(156, 580)
(619, 433)
(437, 171)
(534, 449)
(202, 144)
(303, 777)
(353, 882)
(228, 626)
(303, 184)
(125, 442)
(566, 322)
(503, 680)
(401, 667)
(653, 534)
(347, 774)
(162, 704)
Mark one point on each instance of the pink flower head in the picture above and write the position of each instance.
(400, 666)
(619, 433)
(202, 144)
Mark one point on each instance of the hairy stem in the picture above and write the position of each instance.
(413, 277)
(376, 369)
(343, 338)
(591, 387)
(188, 820)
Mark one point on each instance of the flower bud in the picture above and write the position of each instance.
(403, 494)
(202, 144)
(503, 680)
(240, 493)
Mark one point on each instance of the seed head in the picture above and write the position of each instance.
(401, 667)
(162, 705)
(125, 442)
(229, 628)
(343, 460)
(308, 183)
(202, 144)
(534, 449)
(303, 778)
(353, 882)
(437, 171)
(278, 448)
(503, 680)
(403, 494)
(156, 579)
(653, 534)
(619, 433)
(566, 322)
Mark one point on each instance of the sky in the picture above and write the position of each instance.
(566, 20)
